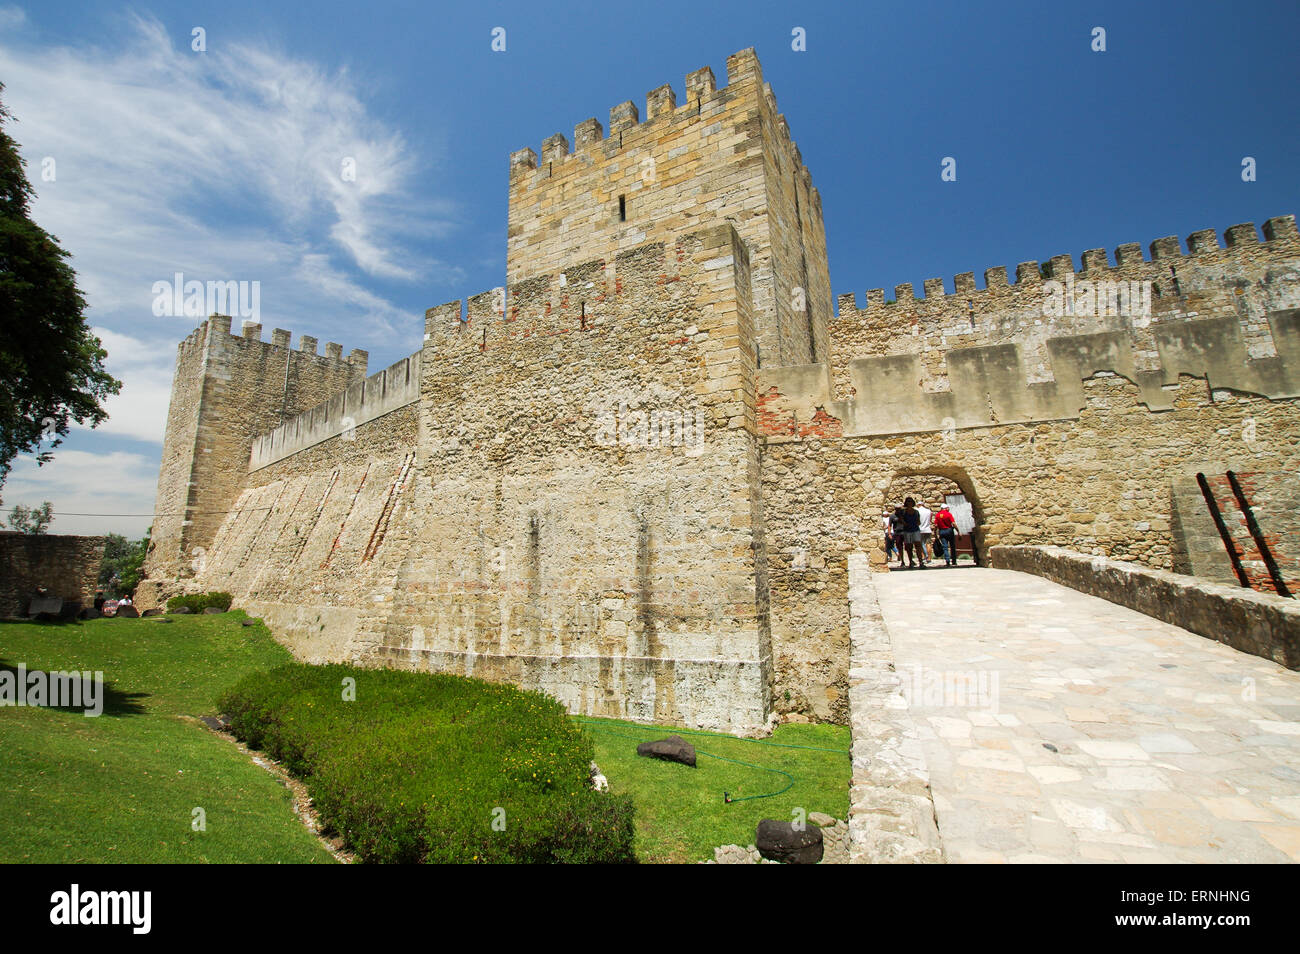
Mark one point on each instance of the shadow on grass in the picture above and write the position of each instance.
(114, 701)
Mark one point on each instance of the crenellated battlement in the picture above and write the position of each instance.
(1280, 238)
(1245, 277)
(216, 331)
(703, 100)
(583, 298)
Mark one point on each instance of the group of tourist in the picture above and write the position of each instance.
(913, 529)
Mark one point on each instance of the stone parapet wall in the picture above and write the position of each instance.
(989, 384)
(1258, 623)
(364, 401)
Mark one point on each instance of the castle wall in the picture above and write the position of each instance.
(1081, 440)
(546, 512)
(366, 400)
(568, 544)
(724, 155)
(312, 545)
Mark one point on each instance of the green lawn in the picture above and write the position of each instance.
(122, 787)
(680, 812)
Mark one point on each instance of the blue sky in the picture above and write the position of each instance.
(224, 164)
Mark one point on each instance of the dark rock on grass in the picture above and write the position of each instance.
(215, 723)
(179, 611)
(251, 621)
(127, 612)
(155, 611)
(781, 841)
(212, 610)
(672, 749)
(89, 612)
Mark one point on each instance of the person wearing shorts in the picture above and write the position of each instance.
(912, 534)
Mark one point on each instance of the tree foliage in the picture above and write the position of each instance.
(51, 366)
(119, 573)
(31, 520)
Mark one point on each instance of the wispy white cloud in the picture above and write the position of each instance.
(223, 165)
(150, 159)
(139, 412)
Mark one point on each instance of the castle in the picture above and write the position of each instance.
(632, 478)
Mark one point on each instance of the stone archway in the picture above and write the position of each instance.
(933, 485)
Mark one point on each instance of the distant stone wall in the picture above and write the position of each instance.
(1258, 623)
(340, 416)
(67, 566)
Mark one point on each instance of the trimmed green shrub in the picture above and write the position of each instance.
(198, 602)
(435, 768)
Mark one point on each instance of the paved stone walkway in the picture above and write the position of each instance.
(1058, 727)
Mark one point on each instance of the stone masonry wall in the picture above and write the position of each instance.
(66, 565)
(312, 545)
(572, 549)
(1098, 484)
(1274, 501)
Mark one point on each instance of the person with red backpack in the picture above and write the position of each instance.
(946, 524)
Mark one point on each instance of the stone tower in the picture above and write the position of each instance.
(724, 156)
(227, 389)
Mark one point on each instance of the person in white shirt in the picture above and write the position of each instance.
(926, 531)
